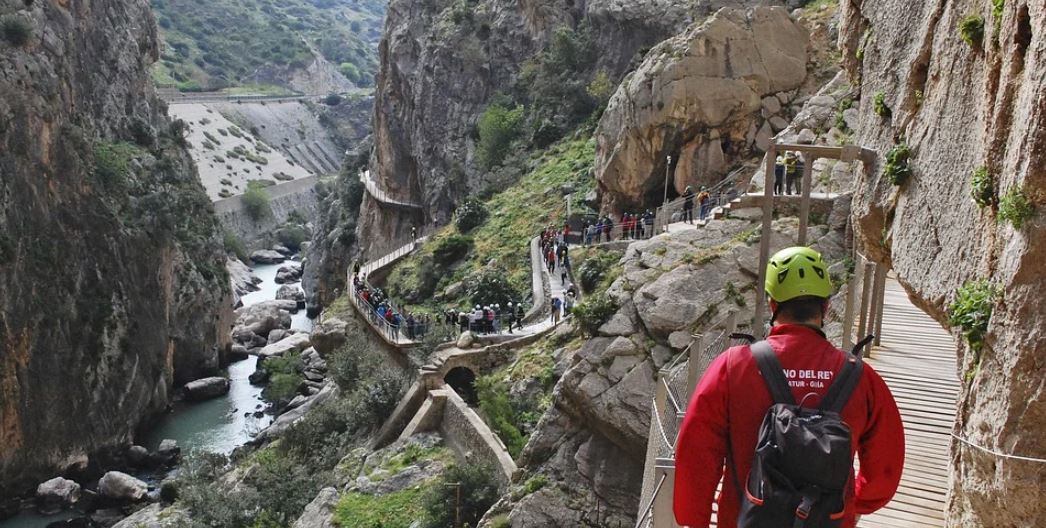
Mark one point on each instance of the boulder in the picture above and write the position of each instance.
(771, 106)
(155, 516)
(276, 335)
(238, 352)
(168, 451)
(288, 273)
(119, 486)
(138, 456)
(241, 277)
(466, 339)
(713, 77)
(206, 388)
(453, 290)
(283, 250)
(289, 292)
(806, 137)
(259, 377)
(320, 512)
(57, 493)
(289, 345)
(329, 335)
(267, 256)
(263, 318)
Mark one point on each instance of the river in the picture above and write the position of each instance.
(219, 425)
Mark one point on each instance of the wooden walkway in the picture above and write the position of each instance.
(917, 360)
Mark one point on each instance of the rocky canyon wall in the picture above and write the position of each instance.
(961, 100)
(112, 281)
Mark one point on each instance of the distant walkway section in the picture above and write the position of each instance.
(382, 196)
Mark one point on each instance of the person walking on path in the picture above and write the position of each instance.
(413, 234)
(520, 315)
(557, 308)
(790, 171)
(705, 201)
(779, 174)
(688, 205)
(812, 485)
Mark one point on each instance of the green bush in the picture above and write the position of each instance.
(235, 246)
(451, 249)
(845, 104)
(16, 30)
(285, 378)
(332, 100)
(112, 163)
(470, 215)
(496, 407)
(1015, 208)
(478, 492)
(592, 312)
(897, 160)
(257, 203)
(534, 484)
(982, 187)
(593, 270)
(393, 510)
(972, 310)
(971, 29)
(498, 127)
(880, 107)
(490, 286)
(292, 236)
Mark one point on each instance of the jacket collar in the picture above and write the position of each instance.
(796, 329)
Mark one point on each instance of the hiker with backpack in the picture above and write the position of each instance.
(705, 201)
(688, 205)
(779, 421)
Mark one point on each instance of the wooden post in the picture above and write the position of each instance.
(764, 240)
(866, 297)
(660, 395)
(663, 516)
(804, 202)
(880, 295)
(731, 323)
(697, 346)
(848, 314)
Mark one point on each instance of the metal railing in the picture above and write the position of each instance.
(382, 196)
(720, 194)
(675, 384)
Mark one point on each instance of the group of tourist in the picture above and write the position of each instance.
(788, 173)
(413, 326)
(704, 202)
(634, 226)
(491, 319)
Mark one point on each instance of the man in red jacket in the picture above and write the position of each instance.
(718, 437)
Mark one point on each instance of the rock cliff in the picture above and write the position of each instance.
(443, 62)
(961, 99)
(113, 286)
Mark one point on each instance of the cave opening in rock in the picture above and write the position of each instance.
(463, 381)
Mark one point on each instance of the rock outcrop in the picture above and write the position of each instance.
(112, 281)
(119, 486)
(707, 97)
(959, 107)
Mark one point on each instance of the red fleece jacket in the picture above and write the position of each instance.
(731, 401)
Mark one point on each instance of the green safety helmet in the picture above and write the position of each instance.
(797, 272)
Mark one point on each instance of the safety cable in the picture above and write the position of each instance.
(997, 453)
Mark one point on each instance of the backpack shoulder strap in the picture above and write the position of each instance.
(843, 386)
(772, 372)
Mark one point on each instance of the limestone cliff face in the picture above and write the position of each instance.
(112, 285)
(440, 68)
(960, 107)
(708, 97)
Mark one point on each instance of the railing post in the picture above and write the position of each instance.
(880, 296)
(866, 294)
(764, 239)
(663, 517)
(848, 314)
(875, 310)
(697, 347)
(804, 202)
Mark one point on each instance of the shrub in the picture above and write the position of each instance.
(498, 127)
(897, 169)
(235, 246)
(490, 286)
(982, 187)
(845, 104)
(16, 30)
(399, 508)
(256, 203)
(112, 163)
(879, 105)
(1015, 208)
(478, 492)
(495, 405)
(971, 29)
(972, 310)
(593, 270)
(285, 378)
(451, 249)
(469, 215)
(592, 312)
(332, 100)
(601, 88)
(292, 236)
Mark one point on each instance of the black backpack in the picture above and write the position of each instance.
(801, 470)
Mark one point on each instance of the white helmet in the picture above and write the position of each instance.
(477, 307)
(510, 303)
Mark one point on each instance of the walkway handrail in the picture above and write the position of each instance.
(382, 196)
